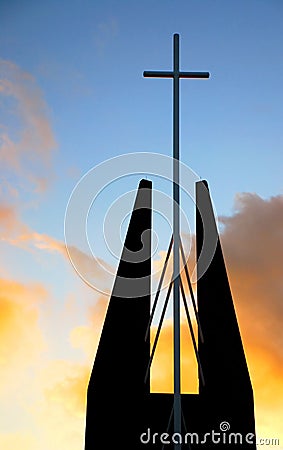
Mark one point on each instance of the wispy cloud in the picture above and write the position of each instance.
(106, 31)
(16, 233)
(252, 244)
(26, 138)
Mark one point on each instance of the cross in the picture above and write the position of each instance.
(176, 75)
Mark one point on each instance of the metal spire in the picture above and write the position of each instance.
(176, 75)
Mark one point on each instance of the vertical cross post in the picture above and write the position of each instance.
(176, 245)
(176, 75)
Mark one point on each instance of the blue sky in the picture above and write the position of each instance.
(72, 95)
(87, 58)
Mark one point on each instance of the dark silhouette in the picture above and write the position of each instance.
(116, 389)
(121, 411)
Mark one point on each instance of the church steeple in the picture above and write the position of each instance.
(116, 388)
(121, 411)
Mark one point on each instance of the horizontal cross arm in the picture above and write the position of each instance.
(164, 74)
(158, 74)
(194, 75)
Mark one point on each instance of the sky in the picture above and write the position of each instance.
(72, 96)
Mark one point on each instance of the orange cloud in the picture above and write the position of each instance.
(86, 337)
(255, 272)
(253, 244)
(42, 400)
(60, 412)
(65, 383)
(20, 336)
(189, 253)
(24, 441)
(162, 365)
(22, 345)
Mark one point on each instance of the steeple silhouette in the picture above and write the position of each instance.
(116, 388)
(121, 411)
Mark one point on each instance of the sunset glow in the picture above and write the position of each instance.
(59, 117)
